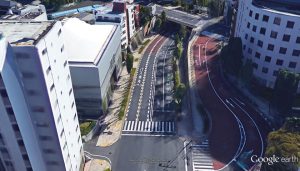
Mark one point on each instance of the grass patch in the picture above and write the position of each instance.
(108, 169)
(126, 95)
(144, 45)
(141, 49)
(204, 115)
(86, 127)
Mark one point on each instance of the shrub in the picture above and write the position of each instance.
(86, 127)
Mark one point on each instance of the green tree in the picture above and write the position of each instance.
(284, 143)
(182, 32)
(231, 56)
(129, 62)
(246, 72)
(53, 4)
(178, 51)
(285, 90)
(216, 7)
(158, 24)
(177, 39)
(145, 15)
(163, 17)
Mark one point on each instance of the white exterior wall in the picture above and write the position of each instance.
(92, 80)
(267, 78)
(51, 106)
(130, 9)
(122, 25)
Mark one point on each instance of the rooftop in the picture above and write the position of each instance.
(285, 6)
(30, 15)
(24, 33)
(86, 42)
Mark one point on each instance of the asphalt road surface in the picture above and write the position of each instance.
(236, 127)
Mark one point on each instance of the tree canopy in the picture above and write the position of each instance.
(285, 90)
(145, 15)
(284, 143)
(129, 62)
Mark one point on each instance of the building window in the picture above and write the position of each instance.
(270, 47)
(52, 87)
(273, 34)
(49, 151)
(32, 92)
(292, 64)
(279, 62)
(250, 51)
(254, 65)
(78, 139)
(44, 51)
(256, 16)
(296, 52)
(59, 32)
(65, 63)
(248, 25)
(252, 40)
(262, 31)
(59, 119)
(277, 20)
(282, 50)
(73, 104)
(286, 37)
(45, 138)
(250, 13)
(62, 133)
(65, 145)
(25, 157)
(246, 36)
(244, 47)
(70, 91)
(52, 163)
(62, 48)
(254, 28)
(290, 24)
(48, 70)
(75, 115)
(265, 70)
(27, 74)
(257, 55)
(3, 93)
(38, 109)
(265, 18)
(268, 59)
(275, 73)
(42, 125)
(298, 40)
(260, 43)
(9, 111)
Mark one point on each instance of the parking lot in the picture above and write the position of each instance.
(164, 84)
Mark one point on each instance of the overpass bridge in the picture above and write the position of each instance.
(180, 17)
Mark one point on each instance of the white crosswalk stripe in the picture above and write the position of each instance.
(149, 127)
(201, 158)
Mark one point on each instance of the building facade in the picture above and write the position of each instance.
(125, 14)
(95, 63)
(39, 128)
(269, 30)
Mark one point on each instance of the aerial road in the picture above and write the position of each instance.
(236, 128)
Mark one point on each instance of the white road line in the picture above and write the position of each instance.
(185, 158)
(155, 127)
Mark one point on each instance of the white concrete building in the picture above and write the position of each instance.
(94, 53)
(269, 30)
(39, 128)
(121, 13)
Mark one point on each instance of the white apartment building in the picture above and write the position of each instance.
(39, 128)
(121, 13)
(94, 55)
(269, 30)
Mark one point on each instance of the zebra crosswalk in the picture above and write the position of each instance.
(149, 127)
(201, 158)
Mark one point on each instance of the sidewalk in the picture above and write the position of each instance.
(113, 126)
(197, 119)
